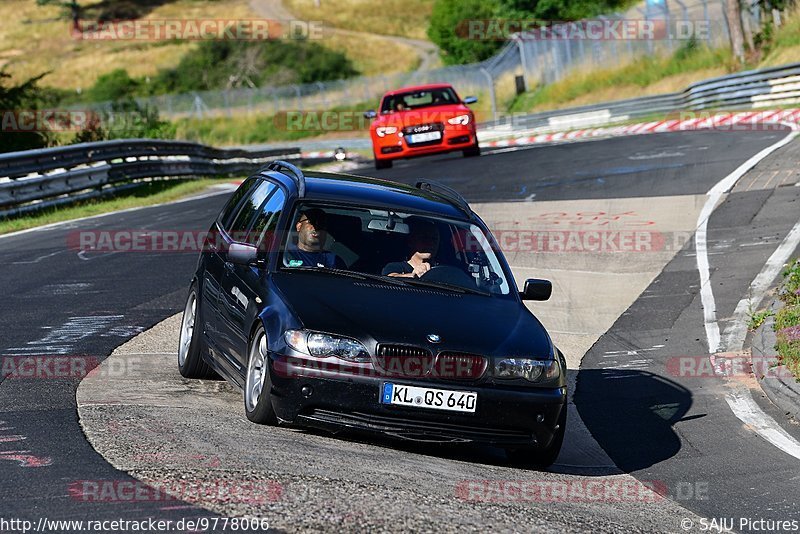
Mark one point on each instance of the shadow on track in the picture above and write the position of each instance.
(631, 414)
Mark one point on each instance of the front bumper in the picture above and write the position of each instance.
(504, 416)
(394, 146)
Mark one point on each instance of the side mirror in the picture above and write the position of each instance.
(371, 114)
(242, 254)
(536, 289)
(470, 99)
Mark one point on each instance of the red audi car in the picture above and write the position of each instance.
(422, 120)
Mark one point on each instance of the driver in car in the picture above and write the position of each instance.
(423, 245)
(312, 232)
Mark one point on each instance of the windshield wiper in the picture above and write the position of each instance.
(445, 285)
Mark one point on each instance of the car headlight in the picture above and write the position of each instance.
(324, 345)
(460, 119)
(385, 130)
(531, 370)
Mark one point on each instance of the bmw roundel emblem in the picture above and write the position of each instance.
(434, 338)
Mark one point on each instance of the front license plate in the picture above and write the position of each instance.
(424, 137)
(434, 399)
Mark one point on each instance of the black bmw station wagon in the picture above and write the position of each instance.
(349, 303)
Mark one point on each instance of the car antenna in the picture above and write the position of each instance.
(295, 173)
(447, 193)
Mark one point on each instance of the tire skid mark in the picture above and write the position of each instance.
(24, 458)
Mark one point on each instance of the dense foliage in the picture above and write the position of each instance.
(450, 18)
(26, 96)
(231, 64)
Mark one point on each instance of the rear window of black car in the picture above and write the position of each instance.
(230, 210)
(267, 222)
(250, 207)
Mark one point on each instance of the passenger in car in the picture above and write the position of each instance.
(312, 232)
(423, 245)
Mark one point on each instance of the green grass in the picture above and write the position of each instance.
(639, 73)
(250, 129)
(406, 18)
(757, 318)
(661, 74)
(787, 320)
(785, 42)
(148, 194)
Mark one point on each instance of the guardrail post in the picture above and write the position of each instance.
(198, 106)
(492, 95)
(538, 58)
(668, 22)
(298, 97)
(568, 44)
(367, 94)
(776, 18)
(322, 94)
(724, 9)
(556, 62)
(523, 59)
(227, 103)
(645, 14)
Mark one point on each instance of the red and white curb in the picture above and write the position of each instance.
(319, 154)
(742, 121)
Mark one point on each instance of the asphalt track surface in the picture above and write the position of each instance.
(657, 428)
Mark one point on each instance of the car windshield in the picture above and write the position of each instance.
(396, 247)
(441, 96)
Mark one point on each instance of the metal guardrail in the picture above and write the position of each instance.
(37, 179)
(772, 86)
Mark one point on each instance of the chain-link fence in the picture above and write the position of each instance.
(529, 58)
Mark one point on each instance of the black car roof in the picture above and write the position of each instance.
(352, 189)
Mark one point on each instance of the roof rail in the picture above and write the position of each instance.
(293, 172)
(447, 193)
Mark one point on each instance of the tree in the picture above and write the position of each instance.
(74, 9)
(449, 29)
(733, 14)
(14, 99)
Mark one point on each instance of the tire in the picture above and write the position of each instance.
(257, 404)
(541, 458)
(383, 163)
(191, 345)
(473, 151)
